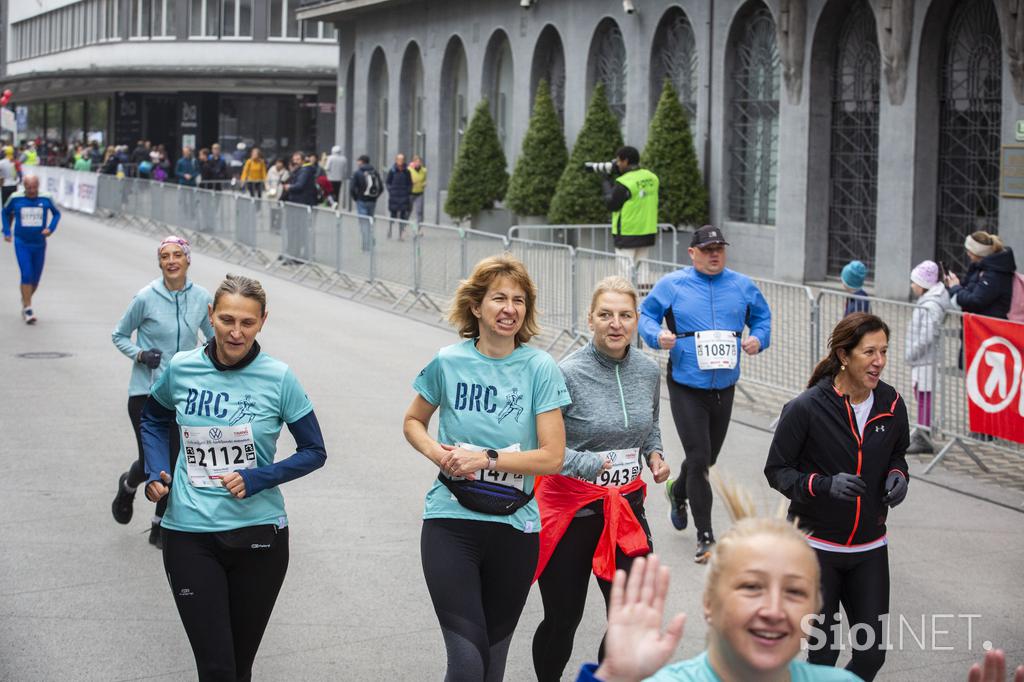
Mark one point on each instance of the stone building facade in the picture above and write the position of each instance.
(827, 129)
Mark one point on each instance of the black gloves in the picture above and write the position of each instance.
(150, 358)
(846, 487)
(895, 488)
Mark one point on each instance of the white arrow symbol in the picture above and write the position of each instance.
(997, 379)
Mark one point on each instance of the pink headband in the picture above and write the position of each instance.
(177, 241)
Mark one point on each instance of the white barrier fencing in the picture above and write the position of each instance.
(421, 266)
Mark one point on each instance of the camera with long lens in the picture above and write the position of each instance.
(602, 167)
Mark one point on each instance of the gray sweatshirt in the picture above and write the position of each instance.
(615, 405)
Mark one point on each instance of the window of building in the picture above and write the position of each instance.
(674, 58)
(204, 19)
(237, 18)
(854, 155)
(607, 65)
(152, 19)
(498, 78)
(549, 65)
(970, 116)
(754, 125)
(318, 30)
(283, 22)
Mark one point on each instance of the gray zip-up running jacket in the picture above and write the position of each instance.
(615, 404)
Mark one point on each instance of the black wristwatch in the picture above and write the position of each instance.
(492, 459)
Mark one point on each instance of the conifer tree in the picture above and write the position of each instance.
(479, 177)
(577, 197)
(682, 197)
(541, 160)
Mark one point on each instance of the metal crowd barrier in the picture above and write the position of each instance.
(410, 265)
(597, 238)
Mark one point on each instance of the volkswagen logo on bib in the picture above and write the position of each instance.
(215, 434)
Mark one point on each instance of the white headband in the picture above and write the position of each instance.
(977, 248)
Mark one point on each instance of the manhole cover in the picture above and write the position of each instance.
(44, 355)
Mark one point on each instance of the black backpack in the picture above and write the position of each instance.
(372, 184)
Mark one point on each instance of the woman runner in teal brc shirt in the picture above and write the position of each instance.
(762, 582)
(499, 425)
(225, 530)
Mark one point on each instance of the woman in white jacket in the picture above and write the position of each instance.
(922, 345)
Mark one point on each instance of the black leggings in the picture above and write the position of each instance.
(225, 591)
(563, 589)
(860, 582)
(702, 420)
(478, 574)
(137, 471)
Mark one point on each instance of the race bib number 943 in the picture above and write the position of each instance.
(624, 469)
(211, 452)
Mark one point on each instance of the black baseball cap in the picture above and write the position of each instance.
(707, 235)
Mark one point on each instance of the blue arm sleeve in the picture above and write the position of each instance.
(760, 318)
(652, 312)
(587, 671)
(8, 214)
(310, 454)
(157, 422)
(56, 216)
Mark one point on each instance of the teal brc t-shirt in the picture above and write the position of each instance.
(491, 403)
(698, 669)
(265, 394)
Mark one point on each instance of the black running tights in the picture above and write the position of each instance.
(478, 574)
(563, 589)
(137, 471)
(225, 594)
(860, 582)
(702, 421)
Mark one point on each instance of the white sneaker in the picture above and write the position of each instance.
(28, 316)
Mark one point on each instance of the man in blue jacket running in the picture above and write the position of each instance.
(33, 219)
(705, 309)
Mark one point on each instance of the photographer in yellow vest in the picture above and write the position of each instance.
(632, 197)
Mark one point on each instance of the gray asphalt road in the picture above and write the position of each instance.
(82, 598)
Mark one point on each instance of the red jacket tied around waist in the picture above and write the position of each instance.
(560, 497)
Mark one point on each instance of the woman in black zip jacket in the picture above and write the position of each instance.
(838, 455)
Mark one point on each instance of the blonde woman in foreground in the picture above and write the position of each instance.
(762, 582)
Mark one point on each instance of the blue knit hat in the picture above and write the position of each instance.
(853, 274)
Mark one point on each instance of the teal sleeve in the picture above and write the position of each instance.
(549, 390)
(129, 322)
(295, 404)
(428, 383)
(161, 390)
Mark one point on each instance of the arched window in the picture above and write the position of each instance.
(377, 109)
(607, 64)
(454, 107)
(497, 85)
(412, 134)
(853, 199)
(674, 56)
(549, 65)
(970, 113)
(754, 114)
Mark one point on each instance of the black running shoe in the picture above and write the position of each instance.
(156, 536)
(705, 541)
(122, 507)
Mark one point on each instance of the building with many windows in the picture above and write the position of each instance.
(828, 130)
(172, 71)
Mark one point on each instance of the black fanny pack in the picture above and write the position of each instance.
(486, 497)
(261, 537)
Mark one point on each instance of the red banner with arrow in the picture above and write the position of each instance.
(993, 353)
